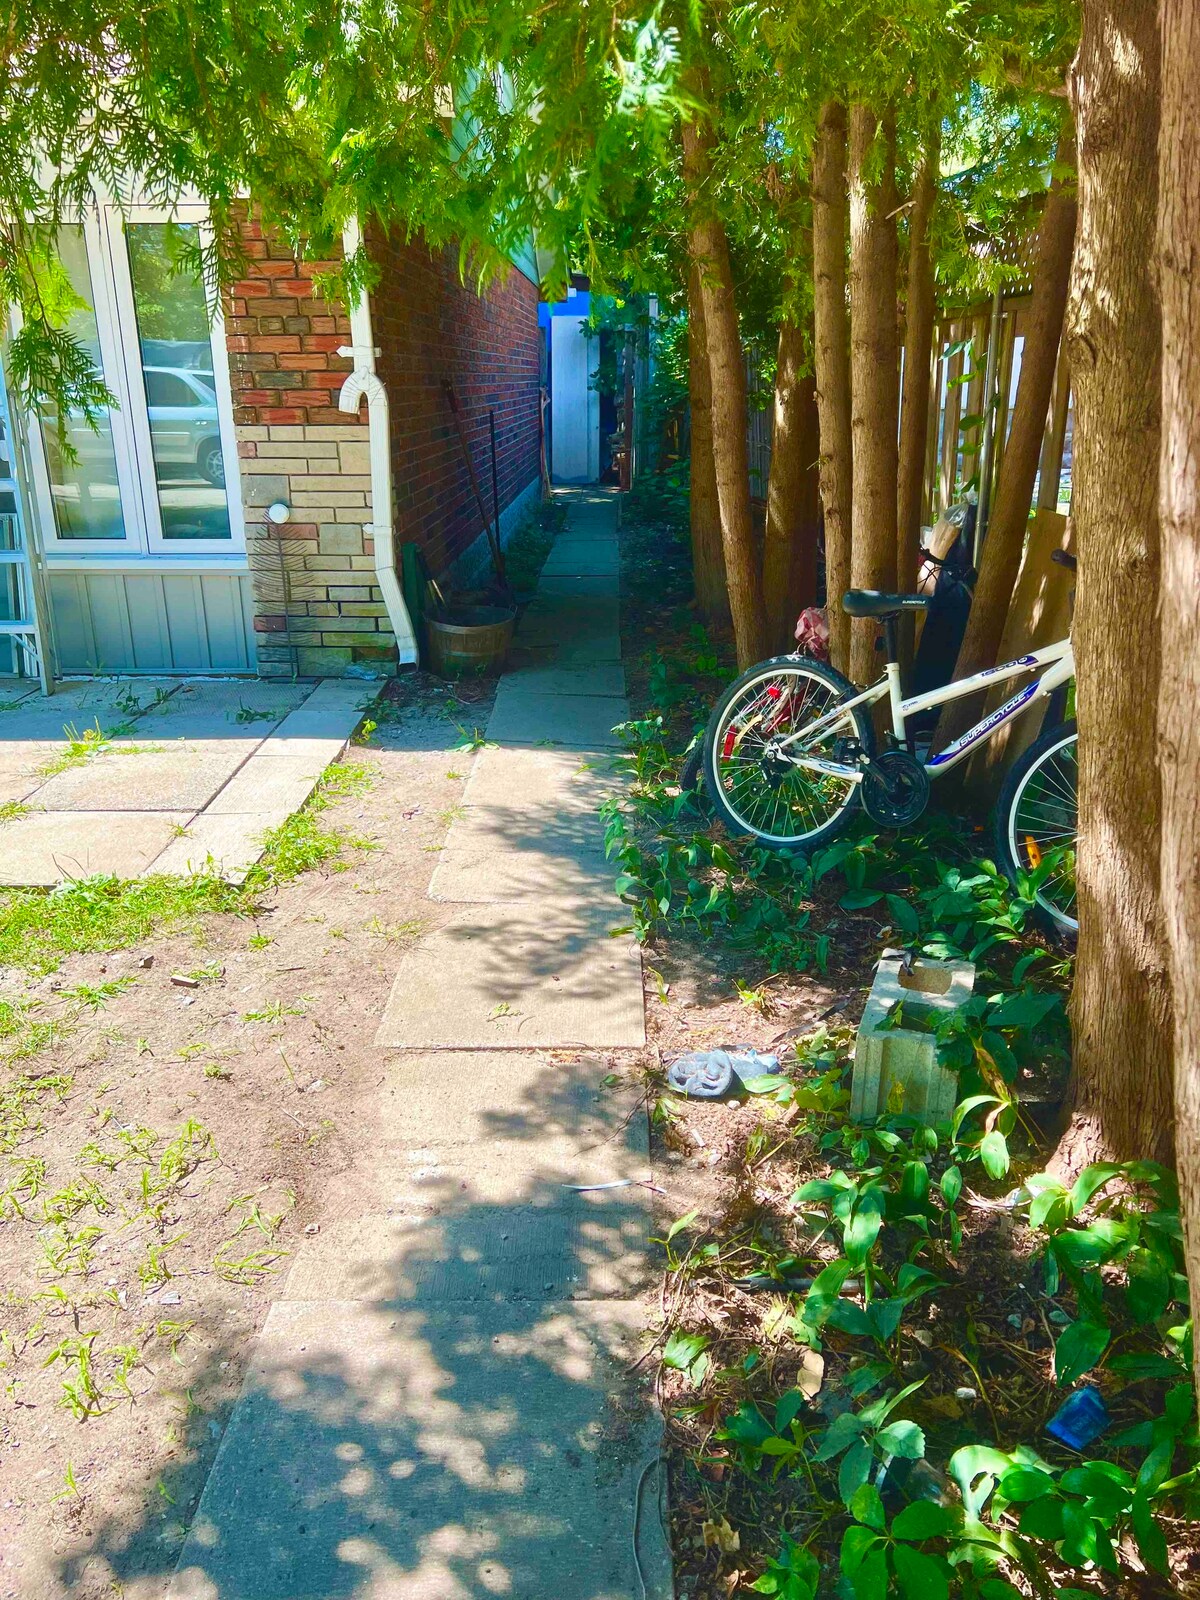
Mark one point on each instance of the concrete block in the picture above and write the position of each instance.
(896, 1068)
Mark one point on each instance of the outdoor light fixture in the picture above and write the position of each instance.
(279, 512)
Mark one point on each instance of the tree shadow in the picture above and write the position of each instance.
(442, 1404)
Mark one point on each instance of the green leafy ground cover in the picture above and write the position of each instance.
(868, 1327)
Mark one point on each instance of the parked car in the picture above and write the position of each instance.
(182, 406)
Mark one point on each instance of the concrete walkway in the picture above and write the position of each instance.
(441, 1405)
(180, 777)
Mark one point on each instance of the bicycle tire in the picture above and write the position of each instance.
(835, 688)
(1052, 756)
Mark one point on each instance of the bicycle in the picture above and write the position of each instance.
(790, 752)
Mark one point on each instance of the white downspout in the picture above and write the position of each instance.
(364, 380)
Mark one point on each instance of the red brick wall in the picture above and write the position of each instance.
(429, 325)
(282, 340)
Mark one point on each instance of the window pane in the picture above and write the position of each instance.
(176, 356)
(83, 476)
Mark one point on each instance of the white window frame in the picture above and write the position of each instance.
(145, 546)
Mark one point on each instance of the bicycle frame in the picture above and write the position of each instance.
(1055, 664)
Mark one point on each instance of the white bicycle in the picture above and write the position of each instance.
(790, 751)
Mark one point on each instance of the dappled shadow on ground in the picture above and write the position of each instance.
(442, 1406)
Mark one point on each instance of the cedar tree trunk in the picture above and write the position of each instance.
(831, 359)
(708, 557)
(1179, 498)
(1005, 537)
(790, 544)
(874, 378)
(918, 341)
(708, 247)
(1121, 1085)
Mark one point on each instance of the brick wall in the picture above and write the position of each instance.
(430, 326)
(296, 446)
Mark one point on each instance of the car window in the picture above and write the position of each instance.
(166, 389)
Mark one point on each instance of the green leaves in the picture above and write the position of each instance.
(684, 1352)
(1078, 1349)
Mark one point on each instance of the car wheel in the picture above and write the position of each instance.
(212, 463)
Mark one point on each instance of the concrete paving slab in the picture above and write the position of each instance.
(544, 782)
(607, 584)
(331, 712)
(268, 783)
(566, 650)
(21, 767)
(579, 557)
(105, 702)
(14, 690)
(446, 1176)
(485, 1098)
(572, 617)
(378, 1453)
(177, 777)
(591, 1247)
(227, 845)
(218, 708)
(43, 848)
(579, 721)
(479, 877)
(521, 977)
(602, 677)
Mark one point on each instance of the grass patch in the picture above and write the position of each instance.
(11, 810)
(39, 927)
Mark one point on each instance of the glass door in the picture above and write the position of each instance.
(175, 363)
(150, 479)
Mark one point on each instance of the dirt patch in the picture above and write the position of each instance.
(187, 1102)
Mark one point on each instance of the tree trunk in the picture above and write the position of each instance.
(831, 356)
(1179, 502)
(708, 557)
(1005, 538)
(874, 378)
(790, 545)
(708, 247)
(918, 340)
(1121, 1086)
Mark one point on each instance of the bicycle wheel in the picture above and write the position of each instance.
(755, 787)
(1037, 822)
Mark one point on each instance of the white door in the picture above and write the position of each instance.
(574, 402)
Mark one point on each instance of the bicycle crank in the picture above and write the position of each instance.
(895, 789)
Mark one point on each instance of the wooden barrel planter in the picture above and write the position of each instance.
(469, 640)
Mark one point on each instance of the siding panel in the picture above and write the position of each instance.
(152, 622)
